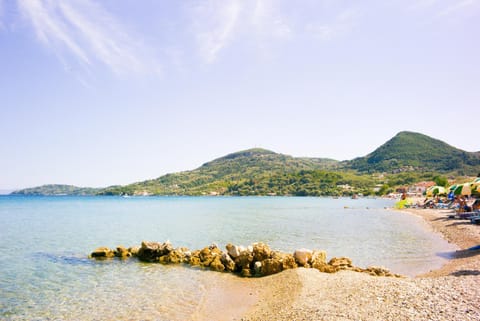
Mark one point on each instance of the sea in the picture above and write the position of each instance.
(45, 272)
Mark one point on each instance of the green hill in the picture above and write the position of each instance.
(406, 158)
(57, 189)
(409, 151)
(218, 175)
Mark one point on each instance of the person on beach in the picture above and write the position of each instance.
(476, 205)
(451, 196)
(463, 205)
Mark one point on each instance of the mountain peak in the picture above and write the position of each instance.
(248, 153)
(415, 151)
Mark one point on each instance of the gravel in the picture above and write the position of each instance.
(450, 293)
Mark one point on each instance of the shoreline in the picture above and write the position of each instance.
(448, 293)
(461, 233)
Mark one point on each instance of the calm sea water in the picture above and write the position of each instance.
(44, 242)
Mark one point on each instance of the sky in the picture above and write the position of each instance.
(99, 93)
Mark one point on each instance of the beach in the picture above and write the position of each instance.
(448, 293)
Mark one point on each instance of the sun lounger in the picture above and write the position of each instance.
(475, 219)
(442, 205)
(464, 215)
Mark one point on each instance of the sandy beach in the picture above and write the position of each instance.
(449, 293)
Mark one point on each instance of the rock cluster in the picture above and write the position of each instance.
(254, 260)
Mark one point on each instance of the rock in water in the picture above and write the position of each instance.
(341, 263)
(233, 250)
(227, 262)
(122, 252)
(208, 254)
(257, 268)
(244, 260)
(194, 258)
(255, 260)
(272, 266)
(216, 264)
(174, 257)
(261, 251)
(152, 251)
(302, 256)
(102, 253)
(134, 250)
(318, 260)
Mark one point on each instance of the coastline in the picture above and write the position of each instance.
(459, 232)
(448, 293)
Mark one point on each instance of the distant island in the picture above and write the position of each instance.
(405, 159)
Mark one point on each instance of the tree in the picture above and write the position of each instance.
(440, 180)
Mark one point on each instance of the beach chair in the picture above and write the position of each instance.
(464, 215)
(475, 219)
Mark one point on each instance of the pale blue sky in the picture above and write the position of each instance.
(112, 92)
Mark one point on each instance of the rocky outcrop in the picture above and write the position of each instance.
(255, 260)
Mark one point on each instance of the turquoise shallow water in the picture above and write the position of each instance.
(45, 273)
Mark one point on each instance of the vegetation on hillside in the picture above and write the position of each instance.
(57, 189)
(409, 151)
(218, 175)
(404, 160)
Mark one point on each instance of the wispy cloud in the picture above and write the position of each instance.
(268, 21)
(218, 23)
(214, 24)
(84, 31)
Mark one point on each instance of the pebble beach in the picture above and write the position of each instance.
(449, 293)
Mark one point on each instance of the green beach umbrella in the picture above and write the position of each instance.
(452, 187)
(463, 189)
(436, 190)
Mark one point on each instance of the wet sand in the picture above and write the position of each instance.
(449, 293)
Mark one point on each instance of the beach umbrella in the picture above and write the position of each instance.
(475, 187)
(436, 190)
(476, 180)
(453, 187)
(463, 189)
